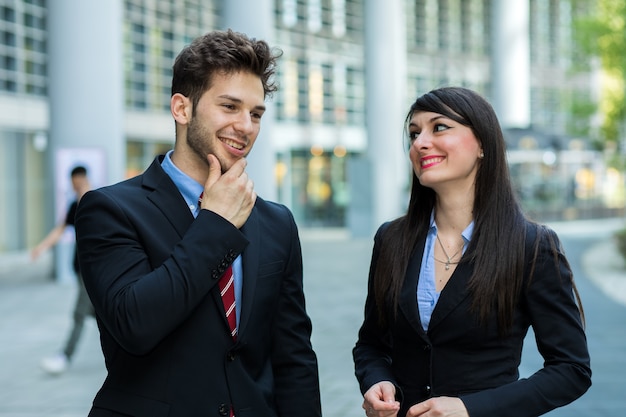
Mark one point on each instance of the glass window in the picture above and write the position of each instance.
(289, 91)
(420, 27)
(316, 93)
(314, 15)
(339, 87)
(9, 62)
(354, 19)
(8, 38)
(140, 154)
(444, 24)
(7, 13)
(24, 38)
(319, 186)
(33, 21)
(485, 29)
(10, 85)
(22, 192)
(466, 26)
(290, 13)
(355, 96)
(303, 91)
(339, 18)
(155, 33)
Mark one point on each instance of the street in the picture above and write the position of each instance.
(35, 316)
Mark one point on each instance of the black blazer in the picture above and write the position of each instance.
(459, 357)
(151, 271)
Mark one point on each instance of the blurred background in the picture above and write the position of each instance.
(89, 82)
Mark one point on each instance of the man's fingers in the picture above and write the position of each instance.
(215, 171)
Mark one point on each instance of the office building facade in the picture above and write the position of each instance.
(90, 82)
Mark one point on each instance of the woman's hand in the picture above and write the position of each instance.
(439, 407)
(380, 400)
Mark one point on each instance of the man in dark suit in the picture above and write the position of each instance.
(153, 258)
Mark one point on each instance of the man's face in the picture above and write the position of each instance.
(79, 183)
(227, 118)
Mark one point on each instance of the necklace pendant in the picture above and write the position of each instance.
(447, 266)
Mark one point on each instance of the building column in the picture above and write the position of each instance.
(257, 22)
(386, 107)
(86, 97)
(511, 62)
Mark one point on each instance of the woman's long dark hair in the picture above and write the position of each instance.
(496, 249)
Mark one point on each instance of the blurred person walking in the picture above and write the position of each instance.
(200, 304)
(456, 283)
(83, 308)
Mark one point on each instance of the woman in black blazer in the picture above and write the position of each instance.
(455, 283)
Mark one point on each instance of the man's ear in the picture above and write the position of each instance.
(181, 108)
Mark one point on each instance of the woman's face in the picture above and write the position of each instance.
(444, 153)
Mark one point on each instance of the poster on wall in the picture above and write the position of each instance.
(66, 159)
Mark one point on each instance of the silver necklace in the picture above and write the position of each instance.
(450, 258)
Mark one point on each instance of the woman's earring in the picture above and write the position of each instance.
(482, 155)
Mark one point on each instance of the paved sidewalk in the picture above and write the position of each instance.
(35, 316)
(602, 263)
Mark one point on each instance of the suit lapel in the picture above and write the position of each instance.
(455, 291)
(166, 197)
(408, 294)
(250, 264)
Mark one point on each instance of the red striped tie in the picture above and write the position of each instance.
(227, 288)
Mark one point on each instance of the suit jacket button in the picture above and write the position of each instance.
(223, 409)
(427, 389)
(230, 356)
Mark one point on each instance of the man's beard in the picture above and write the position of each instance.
(198, 141)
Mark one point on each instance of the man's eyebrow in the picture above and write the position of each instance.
(260, 107)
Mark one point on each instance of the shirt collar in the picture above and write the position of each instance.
(466, 233)
(189, 188)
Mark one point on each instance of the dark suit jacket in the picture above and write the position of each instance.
(151, 271)
(459, 357)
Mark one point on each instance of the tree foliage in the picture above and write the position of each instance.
(602, 34)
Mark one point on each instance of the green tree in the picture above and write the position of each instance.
(601, 34)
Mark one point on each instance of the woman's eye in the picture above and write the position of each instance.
(440, 127)
(413, 135)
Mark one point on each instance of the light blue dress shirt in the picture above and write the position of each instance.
(190, 189)
(427, 295)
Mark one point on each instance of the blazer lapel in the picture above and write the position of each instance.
(408, 293)
(166, 197)
(250, 264)
(455, 291)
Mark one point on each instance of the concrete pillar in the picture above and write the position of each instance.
(255, 18)
(386, 107)
(86, 96)
(511, 62)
